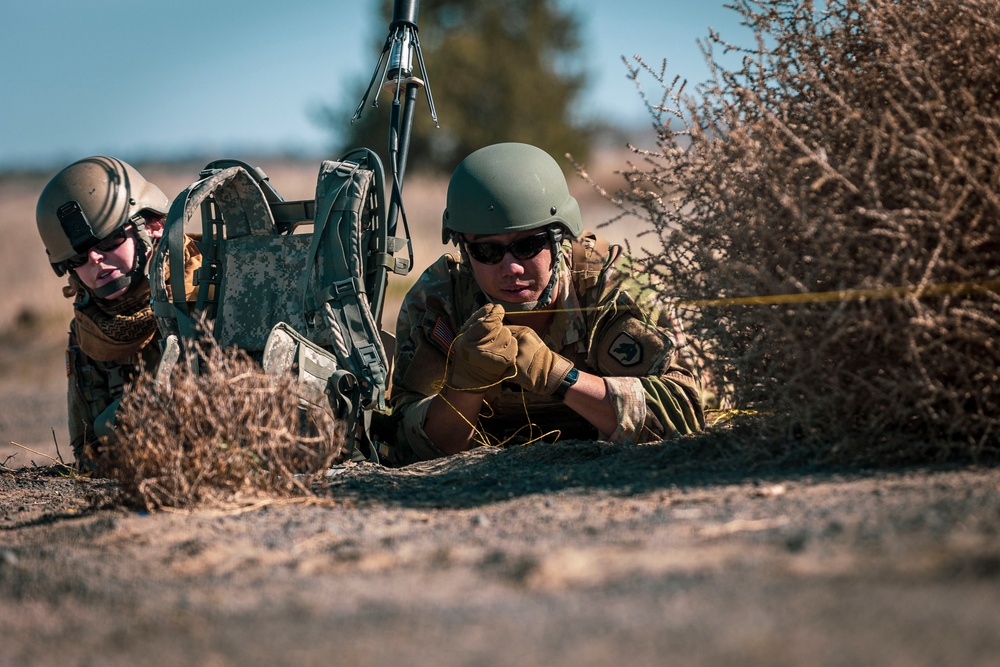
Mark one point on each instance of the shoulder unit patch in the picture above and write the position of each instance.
(626, 350)
(628, 346)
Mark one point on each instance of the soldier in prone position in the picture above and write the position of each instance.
(99, 219)
(537, 329)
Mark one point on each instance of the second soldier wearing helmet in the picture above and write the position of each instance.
(537, 330)
(99, 219)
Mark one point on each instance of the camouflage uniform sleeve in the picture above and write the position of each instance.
(424, 326)
(410, 433)
(673, 406)
(81, 424)
(629, 399)
(654, 407)
(638, 348)
(81, 429)
(676, 396)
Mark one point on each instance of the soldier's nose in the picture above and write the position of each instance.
(511, 265)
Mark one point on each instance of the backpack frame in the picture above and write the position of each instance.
(303, 301)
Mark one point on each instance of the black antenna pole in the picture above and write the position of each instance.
(398, 76)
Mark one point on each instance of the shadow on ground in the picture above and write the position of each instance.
(486, 475)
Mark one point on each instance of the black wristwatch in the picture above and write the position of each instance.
(568, 381)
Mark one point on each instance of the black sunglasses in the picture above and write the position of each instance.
(488, 252)
(108, 244)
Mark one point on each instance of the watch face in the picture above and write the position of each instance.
(568, 381)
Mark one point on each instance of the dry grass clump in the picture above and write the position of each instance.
(831, 210)
(228, 433)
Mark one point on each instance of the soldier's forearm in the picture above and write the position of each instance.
(589, 398)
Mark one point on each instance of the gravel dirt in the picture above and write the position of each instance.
(568, 554)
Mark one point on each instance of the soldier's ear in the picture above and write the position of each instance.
(154, 227)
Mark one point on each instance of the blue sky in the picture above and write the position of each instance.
(143, 79)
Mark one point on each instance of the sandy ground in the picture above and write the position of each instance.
(565, 554)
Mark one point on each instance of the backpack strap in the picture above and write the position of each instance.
(170, 307)
(341, 245)
(231, 204)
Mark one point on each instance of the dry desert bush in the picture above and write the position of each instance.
(830, 213)
(220, 431)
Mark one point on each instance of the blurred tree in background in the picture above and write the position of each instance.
(498, 71)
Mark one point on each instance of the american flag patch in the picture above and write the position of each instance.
(67, 364)
(443, 335)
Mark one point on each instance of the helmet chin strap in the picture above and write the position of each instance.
(138, 270)
(106, 290)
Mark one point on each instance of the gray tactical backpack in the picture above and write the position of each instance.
(299, 300)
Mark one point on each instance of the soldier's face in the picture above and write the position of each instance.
(512, 279)
(103, 266)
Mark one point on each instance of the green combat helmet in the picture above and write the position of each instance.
(512, 187)
(89, 201)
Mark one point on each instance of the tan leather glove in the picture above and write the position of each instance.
(539, 369)
(484, 351)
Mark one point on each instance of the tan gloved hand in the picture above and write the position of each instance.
(539, 369)
(484, 351)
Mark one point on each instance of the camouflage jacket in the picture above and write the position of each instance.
(108, 344)
(607, 322)
(96, 387)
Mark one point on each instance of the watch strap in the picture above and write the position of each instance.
(567, 382)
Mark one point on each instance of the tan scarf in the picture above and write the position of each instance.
(117, 330)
